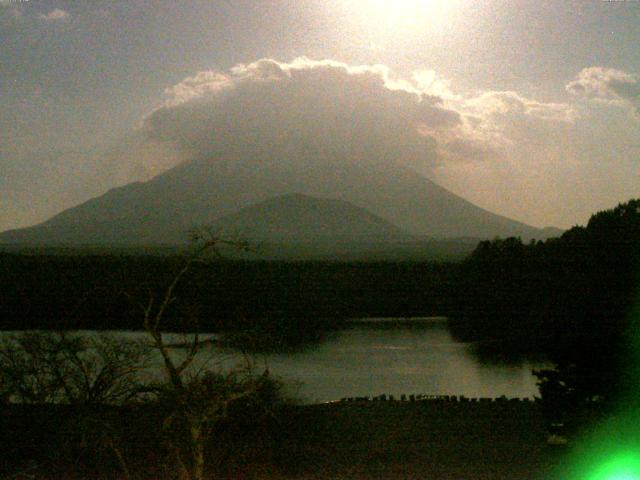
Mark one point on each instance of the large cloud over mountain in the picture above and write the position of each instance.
(329, 110)
(324, 108)
(326, 111)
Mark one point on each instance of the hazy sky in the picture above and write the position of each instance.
(530, 109)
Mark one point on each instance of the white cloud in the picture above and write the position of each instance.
(429, 82)
(608, 85)
(55, 15)
(195, 87)
(308, 109)
(498, 123)
(511, 103)
(304, 110)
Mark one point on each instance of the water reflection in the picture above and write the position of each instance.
(372, 358)
(364, 360)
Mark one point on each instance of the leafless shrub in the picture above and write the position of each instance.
(62, 367)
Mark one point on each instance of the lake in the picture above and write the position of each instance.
(370, 359)
(392, 356)
(376, 356)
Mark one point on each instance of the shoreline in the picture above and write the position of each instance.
(397, 320)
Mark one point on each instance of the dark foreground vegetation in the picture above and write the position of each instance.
(370, 440)
(105, 385)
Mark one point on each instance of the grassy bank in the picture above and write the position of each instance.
(422, 440)
(358, 440)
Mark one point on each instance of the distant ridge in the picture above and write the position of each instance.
(390, 200)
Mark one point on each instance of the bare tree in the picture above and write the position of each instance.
(196, 401)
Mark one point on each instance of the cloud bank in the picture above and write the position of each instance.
(309, 109)
(330, 111)
(608, 85)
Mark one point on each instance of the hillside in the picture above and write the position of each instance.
(301, 218)
(163, 209)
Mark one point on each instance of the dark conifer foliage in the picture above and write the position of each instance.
(103, 291)
(569, 297)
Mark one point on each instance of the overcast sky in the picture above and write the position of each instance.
(530, 109)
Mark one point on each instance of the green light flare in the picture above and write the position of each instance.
(621, 467)
(612, 450)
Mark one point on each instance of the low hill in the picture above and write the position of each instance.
(297, 218)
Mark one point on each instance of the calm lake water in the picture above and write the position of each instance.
(369, 358)
(370, 361)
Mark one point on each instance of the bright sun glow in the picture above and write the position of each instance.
(403, 14)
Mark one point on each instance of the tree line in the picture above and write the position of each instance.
(574, 298)
(99, 292)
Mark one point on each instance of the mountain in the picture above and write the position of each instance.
(204, 191)
(297, 218)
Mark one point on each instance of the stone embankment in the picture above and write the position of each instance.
(434, 399)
